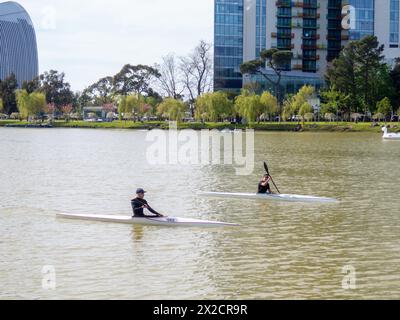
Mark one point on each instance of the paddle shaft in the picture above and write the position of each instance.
(275, 185)
(272, 179)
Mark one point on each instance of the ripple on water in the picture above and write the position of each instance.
(280, 251)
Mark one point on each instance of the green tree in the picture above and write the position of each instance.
(102, 92)
(128, 105)
(30, 104)
(7, 93)
(342, 75)
(395, 78)
(173, 109)
(293, 104)
(37, 103)
(56, 89)
(369, 58)
(383, 86)
(335, 102)
(378, 116)
(361, 74)
(135, 79)
(276, 60)
(1, 105)
(248, 105)
(269, 104)
(213, 106)
(384, 107)
(152, 102)
(304, 110)
(23, 103)
(31, 86)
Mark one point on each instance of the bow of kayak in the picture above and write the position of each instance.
(274, 197)
(149, 221)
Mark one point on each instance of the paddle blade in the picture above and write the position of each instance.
(266, 167)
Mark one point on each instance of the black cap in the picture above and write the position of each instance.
(140, 190)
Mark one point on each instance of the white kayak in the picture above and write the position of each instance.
(164, 221)
(275, 197)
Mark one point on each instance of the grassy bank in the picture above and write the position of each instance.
(284, 126)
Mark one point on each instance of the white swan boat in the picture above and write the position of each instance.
(390, 136)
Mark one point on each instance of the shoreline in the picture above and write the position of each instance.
(266, 126)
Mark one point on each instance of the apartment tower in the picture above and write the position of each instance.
(315, 31)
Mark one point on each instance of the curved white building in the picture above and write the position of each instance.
(18, 47)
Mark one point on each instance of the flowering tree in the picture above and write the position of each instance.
(108, 107)
(145, 108)
(50, 109)
(66, 111)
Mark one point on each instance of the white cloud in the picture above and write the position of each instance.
(89, 39)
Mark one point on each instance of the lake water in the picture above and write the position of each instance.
(281, 250)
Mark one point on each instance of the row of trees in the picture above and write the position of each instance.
(252, 107)
(358, 82)
(34, 106)
(182, 78)
(51, 84)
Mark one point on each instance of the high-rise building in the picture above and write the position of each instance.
(18, 47)
(228, 44)
(315, 31)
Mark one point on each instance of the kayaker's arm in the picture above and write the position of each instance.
(153, 211)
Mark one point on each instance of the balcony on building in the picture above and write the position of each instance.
(284, 3)
(282, 35)
(282, 46)
(308, 15)
(311, 37)
(301, 4)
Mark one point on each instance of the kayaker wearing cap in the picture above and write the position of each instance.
(263, 186)
(139, 204)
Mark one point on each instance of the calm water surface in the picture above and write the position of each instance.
(281, 251)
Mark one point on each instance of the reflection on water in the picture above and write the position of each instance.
(137, 233)
(281, 250)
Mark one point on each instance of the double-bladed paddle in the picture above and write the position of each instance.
(267, 170)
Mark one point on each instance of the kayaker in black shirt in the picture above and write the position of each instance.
(263, 186)
(139, 204)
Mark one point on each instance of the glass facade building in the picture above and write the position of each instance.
(365, 19)
(394, 22)
(18, 47)
(261, 26)
(228, 44)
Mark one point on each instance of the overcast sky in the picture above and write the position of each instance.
(90, 39)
